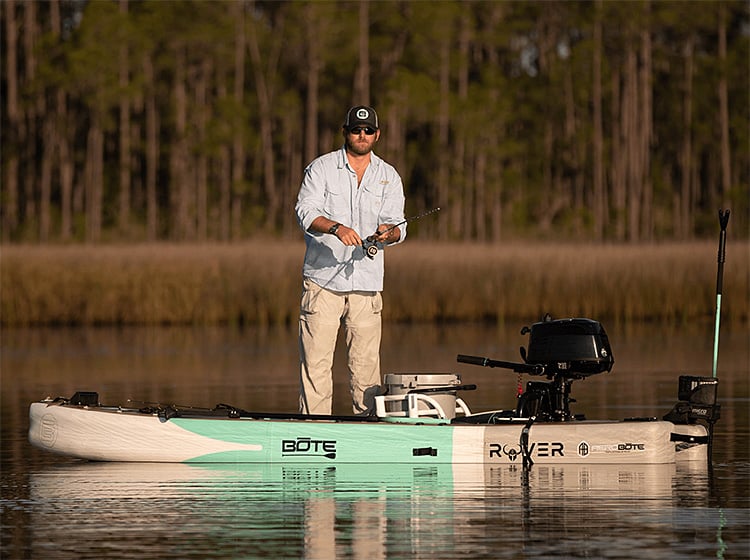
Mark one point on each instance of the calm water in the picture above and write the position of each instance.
(53, 507)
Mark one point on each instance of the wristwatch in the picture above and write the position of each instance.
(333, 229)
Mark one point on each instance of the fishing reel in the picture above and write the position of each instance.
(370, 247)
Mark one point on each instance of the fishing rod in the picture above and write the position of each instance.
(723, 221)
(369, 245)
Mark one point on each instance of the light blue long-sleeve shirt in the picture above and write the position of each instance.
(329, 188)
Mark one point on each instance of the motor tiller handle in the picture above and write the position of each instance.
(534, 369)
(473, 360)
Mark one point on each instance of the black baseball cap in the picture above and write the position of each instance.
(361, 115)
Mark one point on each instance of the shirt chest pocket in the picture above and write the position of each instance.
(371, 201)
(336, 205)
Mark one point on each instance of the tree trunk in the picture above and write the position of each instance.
(493, 164)
(479, 219)
(647, 126)
(94, 180)
(28, 123)
(179, 179)
(233, 204)
(201, 171)
(395, 140)
(125, 169)
(265, 114)
(686, 199)
(631, 116)
(225, 188)
(549, 188)
(453, 197)
(11, 137)
(313, 84)
(137, 192)
(598, 210)
(573, 193)
(60, 139)
(224, 163)
(67, 168)
(496, 215)
(50, 142)
(362, 75)
(726, 168)
(152, 150)
(48, 154)
(460, 162)
(619, 183)
(291, 168)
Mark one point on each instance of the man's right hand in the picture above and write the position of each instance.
(348, 236)
(344, 234)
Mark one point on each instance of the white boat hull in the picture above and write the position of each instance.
(114, 434)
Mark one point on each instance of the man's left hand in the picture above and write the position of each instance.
(386, 233)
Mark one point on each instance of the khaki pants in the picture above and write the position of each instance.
(321, 312)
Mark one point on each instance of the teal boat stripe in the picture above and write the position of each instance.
(325, 442)
(232, 431)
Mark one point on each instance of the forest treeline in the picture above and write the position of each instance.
(129, 120)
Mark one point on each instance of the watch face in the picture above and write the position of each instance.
(334, 228)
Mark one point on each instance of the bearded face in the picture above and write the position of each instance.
(358, 141)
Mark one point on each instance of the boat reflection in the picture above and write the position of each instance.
(359, 511)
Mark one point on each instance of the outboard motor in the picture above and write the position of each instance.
(574, 348)
(566, 349)
(562, 350)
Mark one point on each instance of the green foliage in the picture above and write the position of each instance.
(458, 85)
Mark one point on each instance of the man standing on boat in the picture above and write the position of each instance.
(346, 196)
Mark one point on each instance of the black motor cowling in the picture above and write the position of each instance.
(569, 347)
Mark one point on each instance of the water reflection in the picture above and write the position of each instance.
(52, 506)
(355, 511)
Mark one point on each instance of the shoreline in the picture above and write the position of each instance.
(259, 283)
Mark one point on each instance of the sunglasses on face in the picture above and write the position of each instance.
(357, 129)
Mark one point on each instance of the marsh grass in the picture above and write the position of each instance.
(259, 283)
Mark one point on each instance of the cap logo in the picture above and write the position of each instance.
(362, 113)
